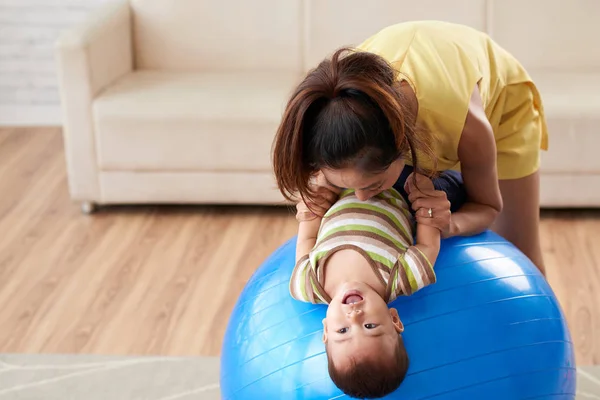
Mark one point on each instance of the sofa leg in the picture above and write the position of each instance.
(88, 207)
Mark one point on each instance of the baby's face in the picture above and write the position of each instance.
(359, 324)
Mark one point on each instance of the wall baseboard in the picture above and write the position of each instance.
(48, 115)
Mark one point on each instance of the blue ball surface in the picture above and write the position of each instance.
(489, 328)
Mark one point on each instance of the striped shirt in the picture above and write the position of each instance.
(381, 229)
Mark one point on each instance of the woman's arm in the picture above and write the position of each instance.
(477, 155)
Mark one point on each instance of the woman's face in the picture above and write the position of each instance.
(366, 185)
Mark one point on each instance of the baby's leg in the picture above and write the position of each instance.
(450, 182)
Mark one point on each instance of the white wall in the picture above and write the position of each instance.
(28, 29)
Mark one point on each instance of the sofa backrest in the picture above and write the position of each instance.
(545, 35)
(335, 23)
(549, 35)
(217, 35)
(294, 35)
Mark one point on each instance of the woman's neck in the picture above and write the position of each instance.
(349, 266)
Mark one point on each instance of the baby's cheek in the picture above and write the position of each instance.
(331, 317)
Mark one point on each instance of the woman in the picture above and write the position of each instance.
(434, 95)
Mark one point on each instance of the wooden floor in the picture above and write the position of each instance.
(162, 280)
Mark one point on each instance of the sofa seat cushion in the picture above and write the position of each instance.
(149, 121)
(572, 106)
(226, 122)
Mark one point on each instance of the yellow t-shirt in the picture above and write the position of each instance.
(443, 62)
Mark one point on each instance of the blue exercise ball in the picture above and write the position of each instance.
(490, 328)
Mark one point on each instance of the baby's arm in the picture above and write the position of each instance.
(428, 237)
(308, 230)
(307, 236)
(414, 269)
(428, 242)
(309, 216)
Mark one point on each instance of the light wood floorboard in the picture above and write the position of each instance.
(163, 280)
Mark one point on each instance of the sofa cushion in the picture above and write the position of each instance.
(157, 121)
(207, 35)
(572, 105)
(570, 190)
(189, 187)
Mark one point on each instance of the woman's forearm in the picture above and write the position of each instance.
(471, 219)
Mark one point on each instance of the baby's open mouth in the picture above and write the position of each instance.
(351, 297)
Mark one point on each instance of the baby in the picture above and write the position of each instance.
(358, 258)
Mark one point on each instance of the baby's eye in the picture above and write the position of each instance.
(342, 330)
(370, 326)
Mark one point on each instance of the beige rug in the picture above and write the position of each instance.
(79, 377)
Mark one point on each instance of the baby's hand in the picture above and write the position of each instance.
(422, 183)
(431, 206)
(325, 197)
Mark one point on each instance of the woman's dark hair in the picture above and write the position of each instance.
(349, 111)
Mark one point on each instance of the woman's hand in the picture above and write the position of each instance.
(431, 206)
(325, 197)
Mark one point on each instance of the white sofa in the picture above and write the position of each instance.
(177, 101)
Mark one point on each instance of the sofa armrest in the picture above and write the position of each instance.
(90, 58)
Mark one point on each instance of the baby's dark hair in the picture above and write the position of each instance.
(371, 378)
(349, 111)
